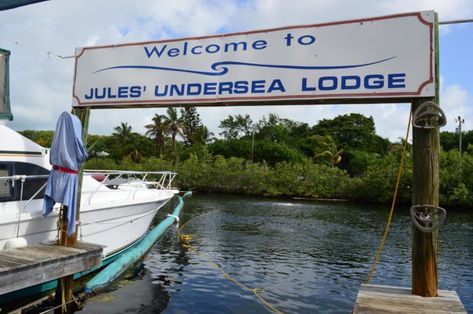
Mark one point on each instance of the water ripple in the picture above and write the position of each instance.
(309, 257)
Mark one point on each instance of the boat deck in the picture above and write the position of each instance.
(387, 299)
(30, 265)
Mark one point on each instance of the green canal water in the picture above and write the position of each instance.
(309, 257)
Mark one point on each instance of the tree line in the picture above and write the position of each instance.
(341, 157)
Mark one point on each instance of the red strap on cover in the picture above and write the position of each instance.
(66, 170)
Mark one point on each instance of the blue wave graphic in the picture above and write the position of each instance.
(222, 68)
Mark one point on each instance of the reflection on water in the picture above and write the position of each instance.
(309, 257)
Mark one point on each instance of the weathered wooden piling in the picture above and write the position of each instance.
(425, 179)
(425, 183)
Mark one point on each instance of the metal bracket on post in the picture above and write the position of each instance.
(427, 218)
(429, 116)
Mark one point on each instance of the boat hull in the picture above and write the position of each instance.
(114, 226)
(119, 227)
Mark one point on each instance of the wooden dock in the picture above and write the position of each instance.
(30, 265)
(387, 299)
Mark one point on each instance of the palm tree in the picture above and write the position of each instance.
(156, 130)
(123, 136)
(173, 125)
(202, 136)
(123, 131)
(207, 136)
(327, 149)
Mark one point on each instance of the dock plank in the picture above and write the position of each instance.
(32, 255)
(14, 260)
(31, 265)
(387, 299)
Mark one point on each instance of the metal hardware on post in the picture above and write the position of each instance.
(429, 116)
(427, 218)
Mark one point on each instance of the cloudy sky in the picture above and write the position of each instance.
(41, 82)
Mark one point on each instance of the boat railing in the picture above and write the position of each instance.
(110, 178)
(22, 179)
(160, 180)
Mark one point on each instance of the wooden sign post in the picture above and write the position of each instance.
(83, 114)
(64, 291)
(425, 173)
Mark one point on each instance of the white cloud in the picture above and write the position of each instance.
(452, 9)
(456, 101)
(41, 85)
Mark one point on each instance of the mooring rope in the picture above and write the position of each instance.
(186, 238)
(63, 305)
(393, 203)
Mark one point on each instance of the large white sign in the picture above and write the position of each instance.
(390, 57)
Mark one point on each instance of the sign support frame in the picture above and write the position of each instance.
(426, 148)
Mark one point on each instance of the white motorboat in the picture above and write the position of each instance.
(117, 207)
